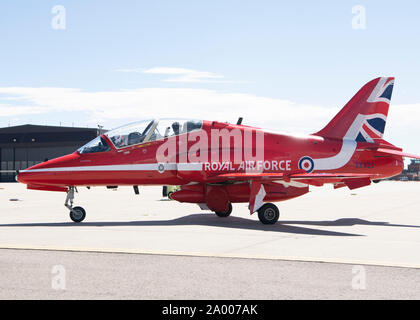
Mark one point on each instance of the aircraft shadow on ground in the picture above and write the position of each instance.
(230, 222)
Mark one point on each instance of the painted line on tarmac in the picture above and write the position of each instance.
(215, 255)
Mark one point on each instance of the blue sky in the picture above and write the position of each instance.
(244, 56)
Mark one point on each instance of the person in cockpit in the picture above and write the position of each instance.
(175, 128)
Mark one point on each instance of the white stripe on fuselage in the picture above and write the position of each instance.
(339, 160)
(126, 167)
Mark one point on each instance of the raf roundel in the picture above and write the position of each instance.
(161, 167)
(307, 164)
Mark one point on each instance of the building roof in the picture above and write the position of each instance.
(45, 134)
(31, 128)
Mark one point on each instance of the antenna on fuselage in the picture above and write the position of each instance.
(239, 121)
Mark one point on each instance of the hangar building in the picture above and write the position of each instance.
(26, 145)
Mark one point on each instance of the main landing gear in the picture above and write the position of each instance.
(77, 214)
(225, 213)
(268, 213)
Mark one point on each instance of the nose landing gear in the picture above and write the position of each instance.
(77, 214)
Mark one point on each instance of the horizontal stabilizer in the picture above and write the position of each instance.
(387, 152)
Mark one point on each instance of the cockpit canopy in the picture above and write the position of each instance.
(141, 132)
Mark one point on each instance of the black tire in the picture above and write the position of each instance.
(226, 213)
(268, 213)
(78, 214)
(170, 195)
(164, 191)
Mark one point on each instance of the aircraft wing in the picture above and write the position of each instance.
(245, 177)
(257, 181)
(287, 177)
(329, 176)
(351, 180)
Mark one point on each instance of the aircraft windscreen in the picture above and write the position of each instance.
(96, 145)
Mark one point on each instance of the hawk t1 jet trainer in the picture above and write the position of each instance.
(217, 164)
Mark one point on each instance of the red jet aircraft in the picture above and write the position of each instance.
(218, 164)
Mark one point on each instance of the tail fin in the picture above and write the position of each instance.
(363, 118)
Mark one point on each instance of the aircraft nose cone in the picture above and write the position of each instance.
(29, 175)
(41, 174)
(21, 177)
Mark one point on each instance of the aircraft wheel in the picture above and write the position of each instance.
(170, 195)
(268, 213)
(78, 214)
(226, 213)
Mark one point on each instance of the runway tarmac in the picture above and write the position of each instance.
(27, 274)
(377, 225)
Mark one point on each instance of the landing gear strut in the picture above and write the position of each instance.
(77, 214)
